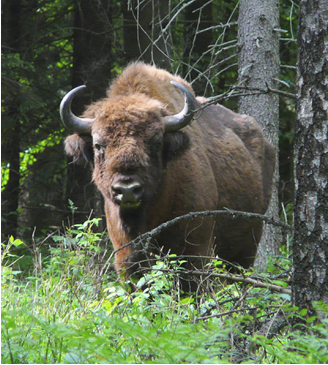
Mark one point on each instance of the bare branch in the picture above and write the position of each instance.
(283, 93)
(218, 26)
(288, 66)
(288, 39)
(223, 314)
(233, 214)
(256, 283)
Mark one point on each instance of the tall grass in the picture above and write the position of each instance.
(69, 308)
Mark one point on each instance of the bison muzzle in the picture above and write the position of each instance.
(158, 152)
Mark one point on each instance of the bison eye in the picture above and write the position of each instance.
(156, 142)
(97, 146)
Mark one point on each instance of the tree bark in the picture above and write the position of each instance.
(310, 245)
(92, 49)
(258, 68)
(92, 63)
(142, 32)
(11, 146)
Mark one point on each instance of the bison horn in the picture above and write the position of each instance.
(71, 121)
(182, 119)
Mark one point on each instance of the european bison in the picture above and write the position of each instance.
(157, 154)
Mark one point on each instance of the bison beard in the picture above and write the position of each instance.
(152, 165)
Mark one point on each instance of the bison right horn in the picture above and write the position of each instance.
(71, 121)
(175, 122)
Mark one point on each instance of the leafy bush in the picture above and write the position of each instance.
(71, 310)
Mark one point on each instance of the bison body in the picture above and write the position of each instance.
(150, 172)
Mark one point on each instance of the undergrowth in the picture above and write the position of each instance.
(69, 308)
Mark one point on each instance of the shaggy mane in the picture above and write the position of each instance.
(151, 81)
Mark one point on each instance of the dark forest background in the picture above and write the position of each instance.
(50, 47)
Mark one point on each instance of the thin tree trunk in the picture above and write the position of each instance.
(258, 67)
(310, 246)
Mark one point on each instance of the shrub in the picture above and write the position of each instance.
(70, 310)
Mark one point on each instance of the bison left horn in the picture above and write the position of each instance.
(71, 121)
(182, 119)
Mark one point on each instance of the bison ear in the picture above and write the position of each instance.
(175, 143)
(80, 148)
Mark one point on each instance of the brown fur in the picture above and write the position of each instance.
(220, 160)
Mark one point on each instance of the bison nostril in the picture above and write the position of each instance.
(127, 192)
(117, 190)
(138, 190)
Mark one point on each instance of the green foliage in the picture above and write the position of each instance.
(8, 259)
(34, 73)
(67, 310)
(28, 157)
(82, 235)
(37, 74)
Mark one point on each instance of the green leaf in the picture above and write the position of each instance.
(16, 242)
(311, 319)
(303, 312)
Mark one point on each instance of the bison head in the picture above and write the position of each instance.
(128, 140)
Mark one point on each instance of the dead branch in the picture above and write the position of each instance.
(247, 280)
(224, 313)
(233, 214)
(256, 283)
(237, 91)
(226, 25)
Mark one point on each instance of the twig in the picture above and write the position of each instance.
(235, 90)
(288, 39)
(226, 25)
(224, 313)
(267, 90)
(55, 209)
(289, 66)
(284, 93)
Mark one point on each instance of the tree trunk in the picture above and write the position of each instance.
(92, 63)
(11, 146)
(258, 67)
(142, 32)
(92, 49)
(310, 245)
